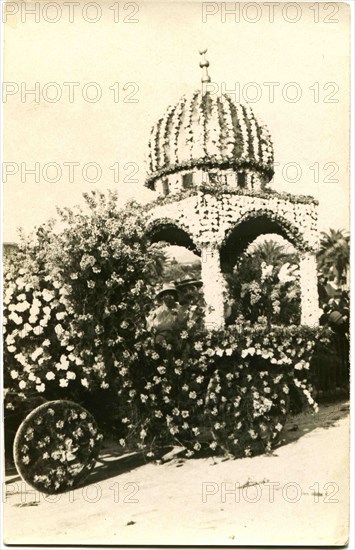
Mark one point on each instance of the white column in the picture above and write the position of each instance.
(212, 279)
(310, 311)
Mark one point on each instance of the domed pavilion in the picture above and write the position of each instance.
(210, 160)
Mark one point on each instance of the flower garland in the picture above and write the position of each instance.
(213, 145)
(175, 129)
(164, 135)
(188, 128)
(223, 131)
(253, 132)
(267, 151)
(228, 121)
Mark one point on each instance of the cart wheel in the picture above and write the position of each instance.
(242, 424)
(56, 446)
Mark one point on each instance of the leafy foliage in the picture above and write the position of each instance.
(334, 254)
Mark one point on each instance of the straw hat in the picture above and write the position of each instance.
(167, 288)
(189, 282)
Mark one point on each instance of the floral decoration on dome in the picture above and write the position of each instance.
(208, 131)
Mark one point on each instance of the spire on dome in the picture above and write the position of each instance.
(204, 64)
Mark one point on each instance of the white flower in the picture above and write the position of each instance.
(84, 382)
(40, 388)
(17, 319)
(47, 295)
(36, 353)
(63, 363)
(61, 315)
(58, 329)
(63, 383)
(22, 306)
(71, 375)
(14, 374)
(50, 375)
(22, 385)
(266, 270)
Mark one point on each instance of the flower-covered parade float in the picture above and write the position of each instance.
(77, 302)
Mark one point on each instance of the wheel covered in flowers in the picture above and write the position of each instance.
(246, 409)
(56, 446)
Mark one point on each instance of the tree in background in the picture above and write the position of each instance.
(273, 253)
(334, 254)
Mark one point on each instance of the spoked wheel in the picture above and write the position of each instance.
(56, 446)
(244, 423)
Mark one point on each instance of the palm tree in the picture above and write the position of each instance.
(273, 253)
(334, 253)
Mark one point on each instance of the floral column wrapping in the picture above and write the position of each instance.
(212, 279)
(309, 289)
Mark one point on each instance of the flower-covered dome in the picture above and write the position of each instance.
(208, 131)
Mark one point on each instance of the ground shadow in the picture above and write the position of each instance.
(301, 424)
(111, 464)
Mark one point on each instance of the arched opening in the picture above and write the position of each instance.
(181, 262)
(242, 235)
(172, 234)
(260, 261)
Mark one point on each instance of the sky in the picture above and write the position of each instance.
(146, 61)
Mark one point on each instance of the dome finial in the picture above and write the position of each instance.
(204, 64)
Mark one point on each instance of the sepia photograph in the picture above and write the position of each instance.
(176, 273)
